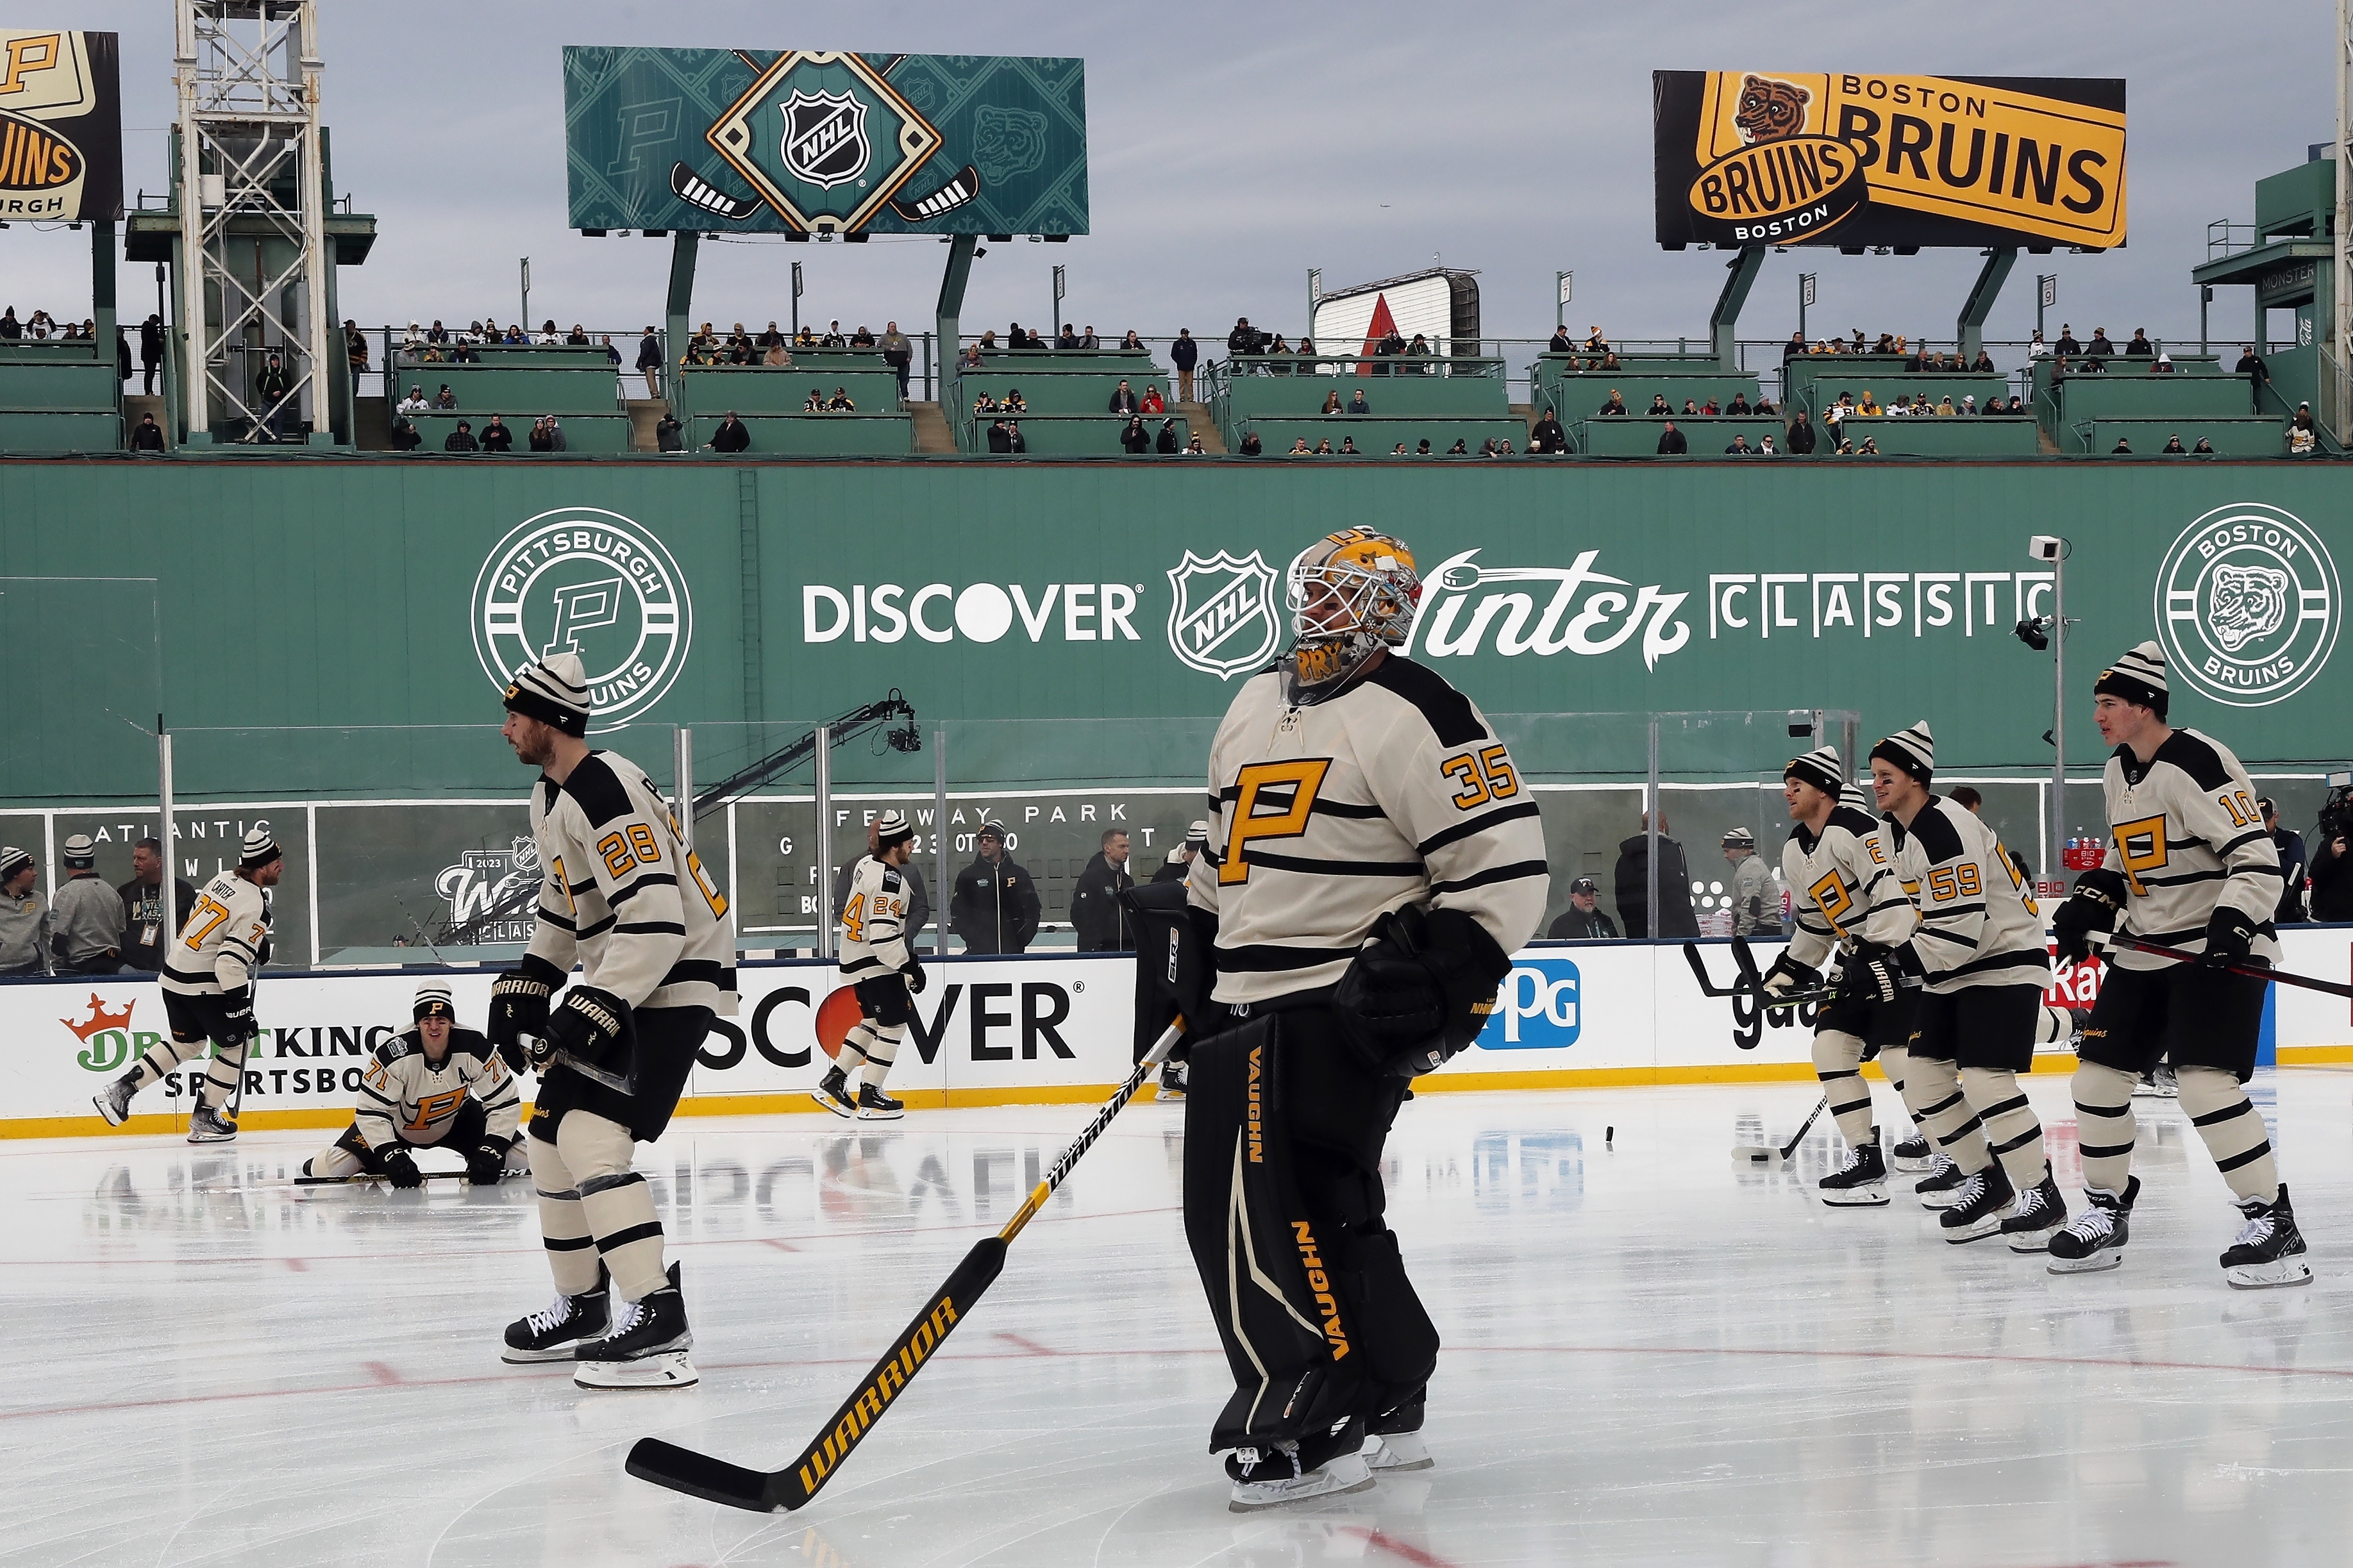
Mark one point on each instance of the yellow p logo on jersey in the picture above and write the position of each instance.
(1261, 810)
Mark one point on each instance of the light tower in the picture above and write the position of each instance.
(252, 197)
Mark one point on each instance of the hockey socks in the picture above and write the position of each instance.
(1838, 1062)
(2103, 1121)
(221, 1076)
(164, 1057)
(2218, 1108)
(2011, 1131)
(1933, 1087)
(563, 1226)
(877, 1048)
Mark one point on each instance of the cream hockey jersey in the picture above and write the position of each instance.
(874, 921)
(621, 896)
(1842, 886)
(405, 1098)
(219, 944)
(2185, 833)
(1978, 927)
(1323, 818)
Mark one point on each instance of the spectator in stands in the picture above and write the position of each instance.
(1561, 344)
(2067, 347)
(2140, 345)
(1134, 440)
(1763, 404)
(405, 437)
(1799, 436)
(1710, 409)
(1013, 401)
(1691, 409)
(497, 436)
(650, 360)
(833, 338)
(807, 338)
(1193, 448)
(1869, 407)
(1613, 407)
(1398, 451)
(151, 351)
(1357, 404)
(985, 404)
(1307, 351)
(2251, 365)
(1765, 447)
(1323, 448)
(899, 354)
(147, 435)
(1870, 447)
(861, 338)
(732, 436)
(2161, 365)
(1331, 401)
(462, 439)
(445, 398)
(1671, 442)
(540, 439)
(1129, 343)
(1151, 399)
(1738, 406)
(1013, 434)
(1252, 445)
(1595, 342)
(1299, 449)
(1945, 407)
(1278, 347)
(2302, 439)
(968, 357)
(1088, 340)
(2099, 347)
(994, 905)
(355, 350)
(1583, 920)
(271, 391)
(11, 328)
(1165, 442)
(415, 402)
(1123, 401)
(1740, 448)
(2173, 444)
(815, 402)
(998, 441)
(1421, 449)
(1183, 353)
(1633, 877)
(839, 403)
(1548, 437)
(775, 356)
(1459, 449)
(2122, 448)
(2203, 445)
(1067, 340)
(577, 337)
(2331, 882)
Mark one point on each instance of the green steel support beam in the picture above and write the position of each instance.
(1723, 324)
(101, 300)
(748, 564)
(951, 308)
(682, 244)
(1969, 330)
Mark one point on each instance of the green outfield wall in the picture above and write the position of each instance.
(357, 593)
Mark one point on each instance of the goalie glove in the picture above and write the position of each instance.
(1420, 989)
(2083, 922)
(1788, 975)
(588, 1027)
(237, 1026)
(398, 1168)
(519, 1006)
(2230, 936)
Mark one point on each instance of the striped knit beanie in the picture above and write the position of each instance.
(554, 691)
(13, 862)
(890, 828)
(432, 1000)
(258, 850)
(80, 853)
(1820, 768)
(2137, 677)
(1913, 750)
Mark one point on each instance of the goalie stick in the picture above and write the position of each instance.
(773, 1491)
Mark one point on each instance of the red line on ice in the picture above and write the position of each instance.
(1404, 1549)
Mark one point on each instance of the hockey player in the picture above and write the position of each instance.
(876, 959)
(1979, 952)
(433, 1085)
(209, 975)
(1373, 859)
(2189, 865)
(624, 898)
(1847, 900)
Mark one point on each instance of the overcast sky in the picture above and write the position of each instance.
(1234, 146)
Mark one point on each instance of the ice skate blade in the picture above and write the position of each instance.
(1976, 1230)
(2030, 1240)
(2107, 1258)
(514, 1357)
(212, 1137)
(1397, 1451)
(1943, 1200)
(1337, 1476)
(1873, 1196)
(2290, 1270)
(845, 1111)
(669, 1369)
(866, 1115)
(1910, 1167)
(106, 1111)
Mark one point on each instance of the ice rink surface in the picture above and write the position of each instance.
(1653, 1356)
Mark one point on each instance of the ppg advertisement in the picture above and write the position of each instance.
(1854, 159)
(807, 142)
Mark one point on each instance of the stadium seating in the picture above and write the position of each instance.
(1375, 436)
(59, 396)
(1816, 380)
(2240, 438)
(1437, 398)
(1052, 381)
(858, 435)
(763, 389)
(2088, 413)
(1958, 436)
(1708, 436)
(606, 432)
(577, 385)
(1072, 434)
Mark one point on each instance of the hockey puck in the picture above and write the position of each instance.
(1608, 1137)
(1751, 1152)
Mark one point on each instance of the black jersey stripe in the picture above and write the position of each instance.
(2024, 957)
(1261, 861)
(1265, 958)
(701, 971)
(1954, 937)
(1515, 871)
(650, 928)
(1348, 808)
(653, 879)
(560, 921)
(1462, 830)
(597, 930)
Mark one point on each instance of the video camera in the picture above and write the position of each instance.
(2336, 810)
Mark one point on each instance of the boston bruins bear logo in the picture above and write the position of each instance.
(2246, 603)
(1770, 110)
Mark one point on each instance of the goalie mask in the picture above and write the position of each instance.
(1350, 594)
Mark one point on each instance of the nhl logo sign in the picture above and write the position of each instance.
(585, 581)
(825, 138)
(1223, 621)
(2248, 605)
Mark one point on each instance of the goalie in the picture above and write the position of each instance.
(434, 1086)
(1373, 859)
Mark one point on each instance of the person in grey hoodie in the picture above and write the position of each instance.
(86, 916)
(24, 918)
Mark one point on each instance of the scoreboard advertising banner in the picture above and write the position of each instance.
(1800, 158)
(824, 142)
(60, 127)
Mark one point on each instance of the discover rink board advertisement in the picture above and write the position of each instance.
(1001, 1031)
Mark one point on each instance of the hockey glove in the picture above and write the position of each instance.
(916, 979)
(236, 1017)
(519, 1006)
(1788, 975)
(487, 1166)
(398, 1168)
(2230, 936)
(2084, 921)
(1420, 989)
(1873, 974)
(588, 1026)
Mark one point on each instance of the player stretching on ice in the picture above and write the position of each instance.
(876, 959)
(1373, 861)
(2189, 865)
(434, 1086)
(208, 974)
(627, 901)
(1845, 896)
(1980, 950)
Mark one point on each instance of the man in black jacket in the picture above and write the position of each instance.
(496, 437)
(1633, 877)
(731, 435)
(2251, 365)
(151, 351)
(142, 907)
(1183, 353)
(650, 362)
(462, 439)
(1583, 920)
(147, 435)
(1672, 443)
(998, 440)
(1801, 436)
(2332, 882)
(1548, 437)
(1124, 400)
(1096, 913)
(995, 905)
(2291, 859)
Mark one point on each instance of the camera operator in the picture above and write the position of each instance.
(2332, 878)
(2292, 864)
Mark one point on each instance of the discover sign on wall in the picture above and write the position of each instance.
(1854, 159)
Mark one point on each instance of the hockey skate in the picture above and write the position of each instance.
(873, 1105)
(1976, 1206)
(1394, 1442)
(113, 1102)
(2095, 1238)
(647, 1348)
(1172, 1080)
(1860, 1183)
(2039, 1212)
(1912, 1155)
(2158, 1083)
(1935, 1189)
(832, 1091)
(210, 1126)
(2270, 1249)
(568, 1320)
(1293, 1472)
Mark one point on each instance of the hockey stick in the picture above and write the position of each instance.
(1747, 985)
(961, 188)
(772, 1491)
(2252, 971)
(1760, 1152)
(360, 1177)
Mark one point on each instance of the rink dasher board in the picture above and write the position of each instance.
(990, 1031)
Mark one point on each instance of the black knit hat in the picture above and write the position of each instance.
(1820, 768)
(1913, 751)
(554, 691)
(2137, 677)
